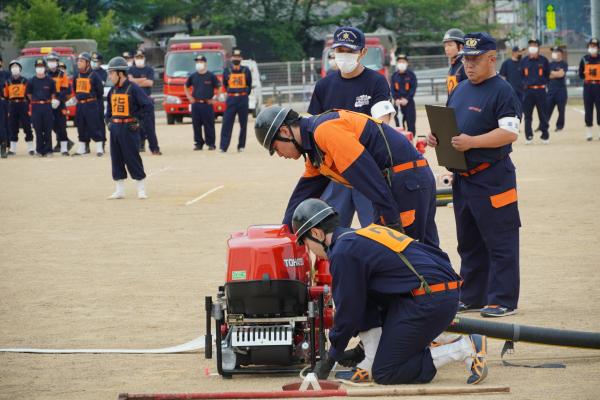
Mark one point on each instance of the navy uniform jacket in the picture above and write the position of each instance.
(41, 89)
(15, 88)
(101, 73)
(456, 74)
(204, 85)
(404, 85)
(511, 71)
(237, 80)
(356, 94)
(557, 84)
(589, 68)
(144, 72)
(128, 101)
(478, 109)
(4, 76)
(535, 71)
(357, 276)
(61, 84)
(348, 147)
(88, 85)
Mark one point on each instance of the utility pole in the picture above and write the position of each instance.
(595, 17)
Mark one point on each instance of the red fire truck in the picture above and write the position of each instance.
(179, 64)
(380, 47)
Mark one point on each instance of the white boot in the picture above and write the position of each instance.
(370, 340)
(461, 350)
(141, 189)
(80, 148)
(64, 148)
(99, 149)
(588, 133)
(119, 191)
(13, 147)
(30, 148)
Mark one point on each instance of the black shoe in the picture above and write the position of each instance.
(465, 308)
(211, 148)
(32, 153)
(351, 358)
(197, 147)
(99, 154)
(56, 148)
(497, 311)
(558, 129)
(10, 153)
(156, 153)
(65, 154)
(70, 144)
(3, 151)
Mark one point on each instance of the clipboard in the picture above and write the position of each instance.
(442, 122)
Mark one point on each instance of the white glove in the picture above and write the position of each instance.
(71, 102)
(55, 103)
(190, 107)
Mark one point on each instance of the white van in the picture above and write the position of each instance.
(255, 100)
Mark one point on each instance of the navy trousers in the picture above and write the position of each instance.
(18, 117)
(591, 98)
(557, 99)
(409, 114)
(409, 326)
(203, 116)
(4, 136)
(60, 124)
(102, 124)
(148, 130)
(43, 120)
(88, 122)
(487, 227)
(236, 105)
(535, 98)
(124, 152)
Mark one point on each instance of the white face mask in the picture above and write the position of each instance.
(52, 64)
(555, 56)
(593, 50)
(533, 50)
(15, 70)
(346, 62)
(200, 66)
(40, 70)
(332, 63)
(93, 63)
(130, 63)
(401, 66)
(139, 63)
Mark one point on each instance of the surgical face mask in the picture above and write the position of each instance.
(130, 63)
(347, 62)
(15, 70)
(200, 66)
(401, 66)
(533, 50)
(52, 64)
(593, 50)
(139, 62)
(555, 56)
(94, 64)
(40, 70)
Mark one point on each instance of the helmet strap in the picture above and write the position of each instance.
(291, 140)
(321, 242)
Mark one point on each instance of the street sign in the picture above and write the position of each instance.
(550, 18)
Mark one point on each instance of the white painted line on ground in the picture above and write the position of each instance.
(579, 110)
(204, 195)
(158, 171)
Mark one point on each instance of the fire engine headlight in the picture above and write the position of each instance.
(173, 100)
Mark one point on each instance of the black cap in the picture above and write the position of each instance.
(349, 37)
(237, 52)
(40, 62)
(556, 48)
(515, 48)
(533, 40)
(140, 53)
(127, 54)
(97, 56)
(593, 41)
(402, 56)
(200, 57)
(61, 64)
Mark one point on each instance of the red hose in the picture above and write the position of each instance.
(237, 395)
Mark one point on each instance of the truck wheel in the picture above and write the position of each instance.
(170, 119)
(179, 119)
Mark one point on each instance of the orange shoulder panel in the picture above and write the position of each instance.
(310, 171)
(339, 139)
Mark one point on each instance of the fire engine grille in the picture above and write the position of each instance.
(270, 335)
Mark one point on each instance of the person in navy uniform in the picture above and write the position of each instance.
(96, 64)
(89, 93)
(4, 135)
(204, 85)
(237, 80)
(129, 58)
(535, 72)
(357, 151)
(356, 88)
(511, 71)
(589, 71)
(557, 87)
(61, 81)
(409, 285)
(127, 104)
(143, 76)
(18, 108)
(453, 43)
(41, 92)
(404, 86)
(485, 195)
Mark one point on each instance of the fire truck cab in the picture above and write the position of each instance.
(179, 64)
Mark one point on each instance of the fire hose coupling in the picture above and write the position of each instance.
(311, 309)
(217, 310)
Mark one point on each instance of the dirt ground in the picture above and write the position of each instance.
(78, 271)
